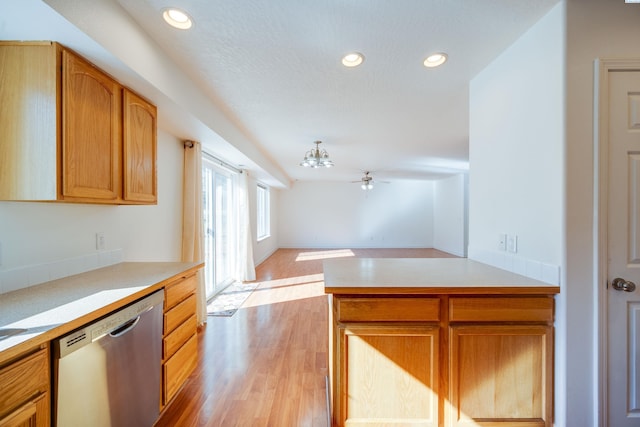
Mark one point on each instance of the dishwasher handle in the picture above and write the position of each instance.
(124, 328)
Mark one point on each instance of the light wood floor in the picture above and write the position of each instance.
(267, 364)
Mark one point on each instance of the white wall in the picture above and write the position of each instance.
(336, 214)
(595, 29)
(516, 153)
(40, 241)
(517, 181)
(450, 215)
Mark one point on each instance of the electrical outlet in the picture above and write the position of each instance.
(100, 241)
(502, 242)
(512, 244)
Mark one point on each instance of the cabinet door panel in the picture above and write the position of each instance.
(24, 391)
(23, 379)
(91, 131)
(139, 155)
(390, 376)
(500, 374)
(28, 126)
(34, 413)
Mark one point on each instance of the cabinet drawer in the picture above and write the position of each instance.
(177, 292)
(179, 367)
(23, 380)
(178, 314)
(33, 413)
(501, 309)
(387, 309)
(175, 339)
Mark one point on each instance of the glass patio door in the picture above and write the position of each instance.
(219, 226)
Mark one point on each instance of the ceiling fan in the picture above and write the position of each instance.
(367, 181)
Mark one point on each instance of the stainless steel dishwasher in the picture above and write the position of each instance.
(108, 372)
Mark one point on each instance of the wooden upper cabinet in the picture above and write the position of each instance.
(90, 131)
(139, 149)
(70, 132)
(29, 103)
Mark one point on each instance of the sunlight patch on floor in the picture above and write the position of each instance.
(316, 255)
(287, 289)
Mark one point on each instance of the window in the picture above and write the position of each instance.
(264, 218)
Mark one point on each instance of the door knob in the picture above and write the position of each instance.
(620, 284)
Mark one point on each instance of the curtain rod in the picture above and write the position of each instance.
(210, 157)
(221, 162)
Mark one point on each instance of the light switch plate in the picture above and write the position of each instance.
(512, 244)
(502, 242)
(100, 241)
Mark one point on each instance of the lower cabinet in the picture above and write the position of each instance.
(442, 361)
(24, 390)
(180, 342)
(500, 374)
(390, 374)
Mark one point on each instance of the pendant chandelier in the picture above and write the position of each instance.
(316, 158)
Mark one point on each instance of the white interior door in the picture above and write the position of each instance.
(623, 249)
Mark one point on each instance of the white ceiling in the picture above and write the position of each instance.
(273, 67)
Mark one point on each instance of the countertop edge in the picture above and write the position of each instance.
(457, 290)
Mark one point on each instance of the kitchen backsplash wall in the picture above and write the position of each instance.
(31, 275)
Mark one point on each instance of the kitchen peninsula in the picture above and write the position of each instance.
(435, 342)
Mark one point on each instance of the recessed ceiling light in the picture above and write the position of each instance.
(177, 18)
(435, 60)
(352, 59)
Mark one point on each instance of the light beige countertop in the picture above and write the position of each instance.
(54, 308)
(388, 276)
